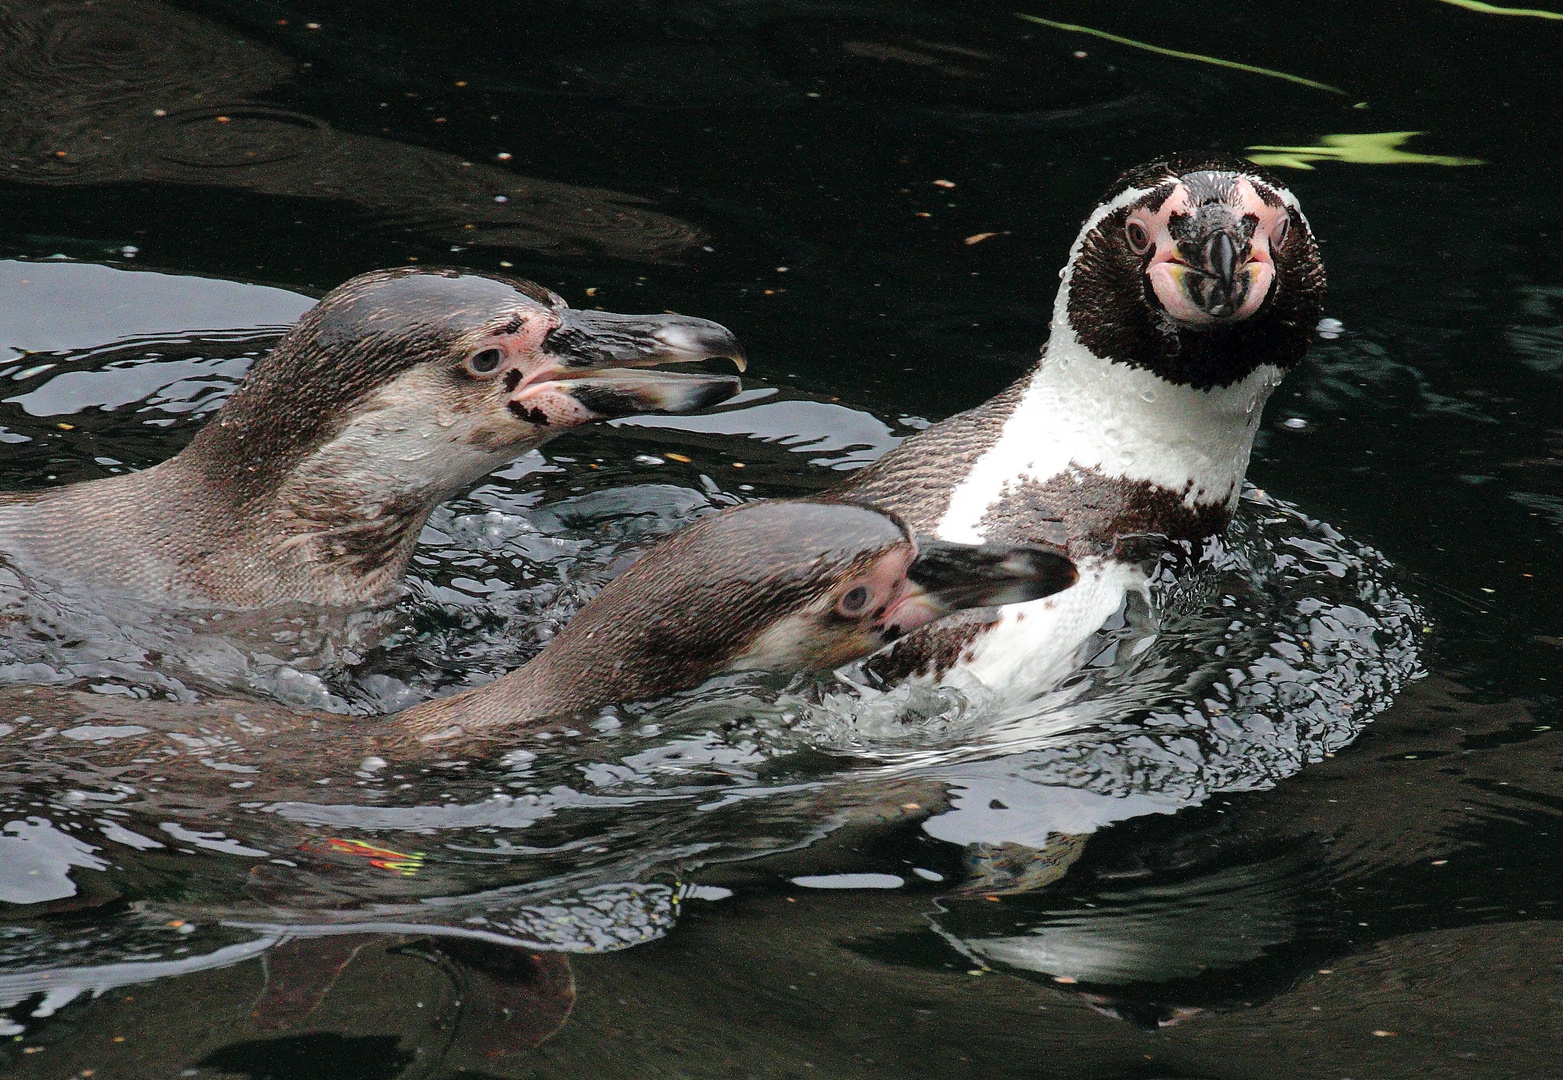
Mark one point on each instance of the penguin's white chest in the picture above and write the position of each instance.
(1082, 414)
(1033, 646)
(1085, 417)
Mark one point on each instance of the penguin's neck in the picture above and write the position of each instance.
(556, 684)
(1102, 418)
(315, 538)
(209, 527)
(510, 702)
(338, 526)
(603, 656)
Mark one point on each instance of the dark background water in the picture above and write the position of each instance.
(679, 156)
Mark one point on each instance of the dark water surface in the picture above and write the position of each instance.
(1303, 819)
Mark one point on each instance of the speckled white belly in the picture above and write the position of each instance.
(1035, 645)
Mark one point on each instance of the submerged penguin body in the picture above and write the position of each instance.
(1189, 293)
(779, 586)
(800, 585)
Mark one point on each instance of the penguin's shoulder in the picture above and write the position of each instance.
(917, 478)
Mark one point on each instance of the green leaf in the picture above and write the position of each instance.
(1160, 51)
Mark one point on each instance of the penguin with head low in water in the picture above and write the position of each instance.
(313, 481)
(784, 586)
(1193, 287)
(802, 585)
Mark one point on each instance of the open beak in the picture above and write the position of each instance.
(596, 360)
(625, 392)
(946, 577)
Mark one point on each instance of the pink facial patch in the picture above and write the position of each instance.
(1191, 286)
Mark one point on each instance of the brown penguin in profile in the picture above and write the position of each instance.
(397, 390)
(801, 585)
(783, 586)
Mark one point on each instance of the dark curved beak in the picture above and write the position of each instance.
(604, 339)
(951, 577)
(1214, 258)
(1221, 260)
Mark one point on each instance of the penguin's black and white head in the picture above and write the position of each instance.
(415, 381)
(1197, 269)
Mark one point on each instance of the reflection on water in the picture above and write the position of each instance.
(1156, 951)
(137, 91)
(486, 1000)
(1234, 901)
(63, 307)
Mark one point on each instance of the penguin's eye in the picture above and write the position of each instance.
(1139, 238)
(1282, 227)
(485, 362)
(855, 601)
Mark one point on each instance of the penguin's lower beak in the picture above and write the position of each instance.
(604, 339)
(946, 578)
(588, 360)
(602, 395)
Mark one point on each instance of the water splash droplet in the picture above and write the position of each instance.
(1150, 395)
(1126, 458)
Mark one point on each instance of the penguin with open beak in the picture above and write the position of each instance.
(800, 585)
(397, 390)
(778, 586)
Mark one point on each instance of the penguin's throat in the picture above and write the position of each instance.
(352, 512)
(338, 524)
(1084, 419)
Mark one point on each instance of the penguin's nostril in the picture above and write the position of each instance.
(675, 336)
